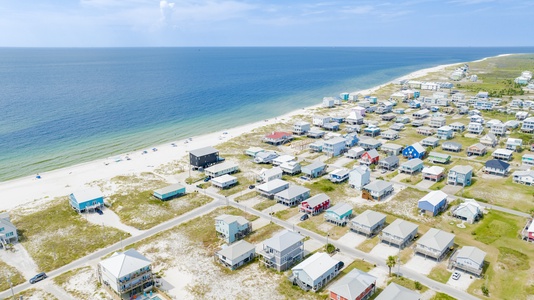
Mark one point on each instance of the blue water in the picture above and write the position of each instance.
(66, 106)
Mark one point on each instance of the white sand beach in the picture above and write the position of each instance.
(64, 181)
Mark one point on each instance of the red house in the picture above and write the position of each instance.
(315, 204)
(278, 138)
(370, 157)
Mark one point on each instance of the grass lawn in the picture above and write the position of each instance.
(357, 264)
(406, 254)
(314, 222)
(369, 244)
(263, 233)
(246, 196)
(440, 273)
(441, 296)
(336, 191)
(392, 174)
(286, 213)
(264, 204)
(57, 235)
(290, 291)
(8, 272)
(243, 182)
(407, 283)
(413, 180)
(404, 204)
(438, 185)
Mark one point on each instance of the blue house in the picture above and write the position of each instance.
(339, 214)
(414, 151)
(88, 199)
(314, 170)
(433, 203)
(371, 131)
(351, 139)
(170, 192)
(232, 228)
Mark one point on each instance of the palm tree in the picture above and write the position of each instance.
(391, 262)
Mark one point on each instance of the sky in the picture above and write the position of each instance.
(196, 23)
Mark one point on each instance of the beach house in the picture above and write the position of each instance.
(390, 135)
(389, 163)
(328, 102)
(514, 144)
(396, 292)
(423, 113)
(469, 259)
(203, 157)
(282, 159)
(498, 129)
(270, 188)
(503, 154)
(451, 146)
(370, 157)
(316, 146)
(460, 175)
(265, 157)
(400, 233)
(355, 152)
(368, 223)
(331, 126)
(435, 244)
(436, 122)
(457, 126)
(278, 138)
(169, 192)
(293, 195)
(469, 211)
(301, 128)
(433, 203)
(232, 228)
(496, 167)
(377, 190)
(290, 167)
(315, 205)
(436, 157)
(339, 175)
(371, 131)
(315, 133)
(391, 149)
(226, 167)
(425, 130)
(430, 142)
(315, 272)
(359, 176)
(433, 173)
(253, 151)
(528, 125)
(369, 143)
(477, 149)
(224, 182)
(475, 128)
(8, 231)
(321, 120)
(397, 127)
(314, 170)
(528, 159)
(339, 214)
(412, 166)
(267, 175)
(334, 147)
(236, 255)
(445, 133)
(356, 285)
(521, 115)
(125, 274)
(282, 250)
(86, 200)
(355, 118)
(523, 177)
(414, 151)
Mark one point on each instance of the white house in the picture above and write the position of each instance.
(315, 272)
(267, 175)
(359, 176)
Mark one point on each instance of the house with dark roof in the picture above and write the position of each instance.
(497, 167)
(356, 285)
(203, 157)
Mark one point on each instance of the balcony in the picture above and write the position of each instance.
(428, 252)
(137, 283)
(392, 240)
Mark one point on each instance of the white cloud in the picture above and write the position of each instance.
(166, 9)
(358, 10)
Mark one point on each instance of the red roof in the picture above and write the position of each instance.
(278, 135)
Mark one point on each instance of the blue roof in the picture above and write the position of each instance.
(497, 164)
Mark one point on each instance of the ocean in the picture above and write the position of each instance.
(63, 106)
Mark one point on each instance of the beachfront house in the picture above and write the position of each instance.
(232, 228)
(355, 118)
(478, 149)
(414, 151)
(359, 176)
(503, 154)
(265, 157)
(321, 120)
(253, 151)
(514, 144)
(498, 129)
(203, 157)
(339, 214)
(433, 203)
(267, 175)
(445, 133)
(315, 205)
(528, 125)
(315, 272)
(390, 135)
(370, 157)
(278, 138)
(339, 175)
(236, 255)
(523, 177)
(377, 190)
(368, 223)
(433, 173)
(282, 159)
(355, 152)
(457, 126)
(8, 231)
(335, 146)
(125, 274)
(397, 292)
(270, 188)
(170, 192)
(356, 285)
(371, 131)
(282, 250)
(301, 128)
(226, 167)
(314, 170)
(475, 128)
(421, 114)
(412, 166)
(528, 159)
(391, 149)
(496, 167)
(402, 120)
(86, 200)
(369, 143)
(430, 142)
(451, 146)
(328, 102)
(293, 195)
(469, 259)
(436, 157)
(469, 211)
(435, 244)
(399, 233)
(224, 182)
(389, 163)
(290, 167)
(460, 175)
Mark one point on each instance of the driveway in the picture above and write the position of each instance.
(400, 177)
(451, 189)
(351, 239)
(384, 251)
(311, 245)
(463, 282)
(111, 219)
(381, 275)
(20, 260)
(275, 208)
(340, 162)
(259, 223)
(425, 184)
(420, 264)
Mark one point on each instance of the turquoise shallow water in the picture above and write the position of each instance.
(61, 107)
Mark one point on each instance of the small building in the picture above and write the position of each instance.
(370, 157)
(301, 128)
(436, 157)
(126, 273)
(359, 176)
(436, 122)
(315, 133)
(469, 259)
(390, 135)
(356, 285)
(8, 231)
(267, 175)
(169, 192)
(435, 244)
(460, 175)
(445, 133)
(226, 167)
(521, 115)
(315, 272)
(293, 195)
(528, 125)
(368, 223)
(314, 170)
(355, 153)
(396, 292)
(469, 211)
(265, 157)
(328, 102)
(282, 159)
(477, 149)
(223, 182)
(334, 147)
(236, 255)
(232, 228)
(402, 120)
(528, 159)
(475, 128)
(503, 154)
(418, 123)
(282, 250)
(369, 143)
(391, 149)
(399, 233)
(278, 138)
(355, 118)
(397, 127)
(412, 166)
(290, 167)
(315, 205)
(497, 167)
(514, 144)
(457, 126)
(253, 151)
(377, 190)
(339, 175)
(389, 163)
(425, 130)
(270, 188)
(371, 131)
(339, 214)
(451, 146)
(421, 114)
(433, 203)
(203, 157)
(430, 142)
(523, 177)
(414, 151)
(433, 173)
(86, 200)
(331, 126)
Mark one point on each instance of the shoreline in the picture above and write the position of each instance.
(63, 181)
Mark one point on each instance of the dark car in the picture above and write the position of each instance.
(99, 211)
(38, 277)
(207, 179)
(340, 265)
(304, 217)
(251, 186)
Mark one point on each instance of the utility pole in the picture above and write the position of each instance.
(11, 286)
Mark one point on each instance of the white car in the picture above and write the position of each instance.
(456, 275)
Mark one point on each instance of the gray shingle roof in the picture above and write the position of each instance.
(237, 249)
(369, 218)
(292, 192)
(353, 284)
(472, 253)
(203, 151)
(283, 240)
(396, 292)
(400, 228)
(436, 239)
(378, 185)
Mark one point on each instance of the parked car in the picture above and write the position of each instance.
(456, 275)
(304, 217)
(99, 211)
(38, 277)
(207, 179)
(251, 186)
